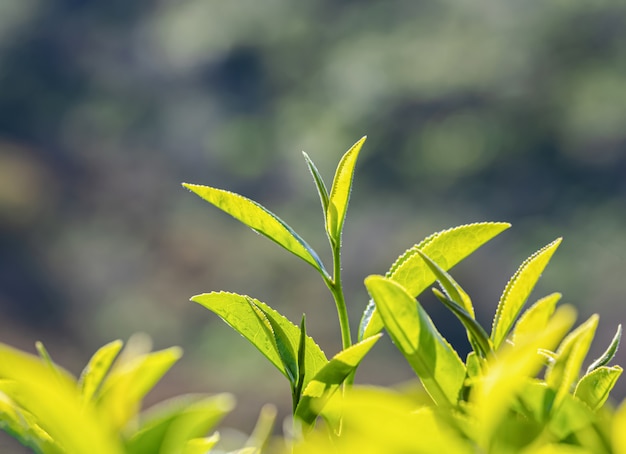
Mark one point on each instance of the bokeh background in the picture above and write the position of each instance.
(475, 110)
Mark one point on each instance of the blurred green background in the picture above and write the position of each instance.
(475, 110)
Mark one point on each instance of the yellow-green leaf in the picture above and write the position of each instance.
(93, 374)
(340, 192)
(259, 219)
(237, 312)
(446, 248)
(436, 363)
(563, 372)
(594, 388)
(518, 290)
(609, 353)
(536, 318)
(328, 380)
(201, 445)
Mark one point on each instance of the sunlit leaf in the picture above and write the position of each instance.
(201, 445)
(536, 318)
(436, 363)
(340, 192)
(518, 290)
(610, 352)
(328, 380)
(263, 429)
(55, 404)
(130, 379)
(319, 184)
(378, 421)
(446, 248)
(237, 312)
(260, 220)
(93, 374)
(170, 425)
(562, 373)
(594, 387)
(510, 371)
(477, 336)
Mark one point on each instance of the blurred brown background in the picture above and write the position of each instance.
(483, 110)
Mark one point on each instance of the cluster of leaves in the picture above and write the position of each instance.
(521, 389)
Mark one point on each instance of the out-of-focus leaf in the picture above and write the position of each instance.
(536, 318)
(130, 379)
(237, 312)
(169, 426)
(328, 380)
(340, 192)
(259, 219)
(55, 404)
(262, 432)
(518, 290)
(378, 421)
(201, 445)
(436, 363)
(100, 363)
(610, 352)
(563, 372)
(446, 248)
(509, 372)
(594, 387)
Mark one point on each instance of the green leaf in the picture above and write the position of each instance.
(536, 318)
(319, 183)
(378, 420)
(130, 379)
(610, 352)
(93, 374)
(477, 336)
(340, 192)
(301, 363)
(263, 429)
(436, 363)
(447, 248)
(237, 312)
(201, 445)
(518, 290)
(55, 405)
(564, 371)
(280, 341)
(594, 388)
(510, 371)
(328, 380)
(450, 286)
(259, 219)
(170, 425)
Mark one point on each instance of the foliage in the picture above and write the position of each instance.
(522, 388)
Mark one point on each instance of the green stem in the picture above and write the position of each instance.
(336, 289)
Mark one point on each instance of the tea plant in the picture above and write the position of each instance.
(522, 388)
(492, 401)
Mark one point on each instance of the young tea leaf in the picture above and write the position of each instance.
(261, 220)
(201, 445)
(340, 192)
(262, 431)
(562, 373)
(436, 363)
(169, 425)
(536, 318)
(594, 388)
(328, 380)
(301, 364)
(93, 374)
(518, 290)
(610, 352)
(319, 184)
(476, 334)
(447, 248)
(237, 312)
(130, 379)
